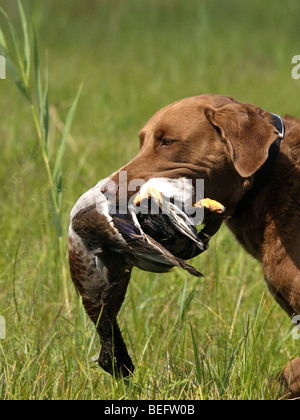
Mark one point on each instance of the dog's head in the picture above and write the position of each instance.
(208, 137)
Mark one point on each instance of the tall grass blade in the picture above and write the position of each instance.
(15, 38)
(20, 81)
(182, 301)
(46, 112)
(12, 70)
(196, 357)
(37, 78)
(3, 40)
(56, 216)
(26, 40)
(63, 142)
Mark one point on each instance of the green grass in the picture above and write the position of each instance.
(220, 337)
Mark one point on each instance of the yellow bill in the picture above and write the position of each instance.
(211, 205)
(150, 192)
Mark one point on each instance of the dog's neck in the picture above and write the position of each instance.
(261, 176)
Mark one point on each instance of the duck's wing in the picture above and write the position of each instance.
(151, 256)
(183, 224)
(179, 220)
(143, 251)
(98, 235)
(89, 271)
(118, 244)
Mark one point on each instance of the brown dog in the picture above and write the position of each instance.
(226, 143)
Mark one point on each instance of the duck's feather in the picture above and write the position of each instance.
(126, 241)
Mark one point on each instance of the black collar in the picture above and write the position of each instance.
(262, 174)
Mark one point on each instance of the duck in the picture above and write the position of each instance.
(151, 242)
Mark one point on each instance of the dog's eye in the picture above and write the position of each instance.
(167, 142)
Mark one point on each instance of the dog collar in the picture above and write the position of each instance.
(278, 124)
(262, 174)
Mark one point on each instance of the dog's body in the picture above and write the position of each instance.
(226, 142)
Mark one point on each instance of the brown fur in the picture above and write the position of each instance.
(225, 142)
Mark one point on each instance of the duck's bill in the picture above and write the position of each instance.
(150, 192)
(212, 205)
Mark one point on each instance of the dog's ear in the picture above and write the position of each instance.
(248, 132)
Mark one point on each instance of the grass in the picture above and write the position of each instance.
(220, 337)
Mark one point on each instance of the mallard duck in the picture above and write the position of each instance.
(151, 242)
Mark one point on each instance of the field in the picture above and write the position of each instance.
(218, 337)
